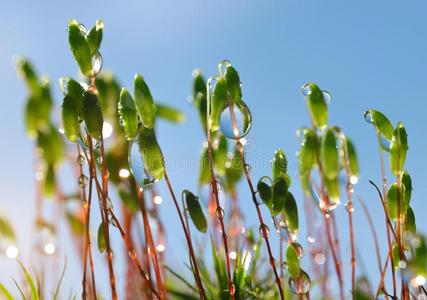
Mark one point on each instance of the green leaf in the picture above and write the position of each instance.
(128, 114)
(195, 210)
(6, 230)
(27, 72)
(75, 91)
(169, 113)
(92, 115)
(144, 102)
(329, 154)
(76, 225)
(291, 213)
(410, 224)
(101, 238)
(398, 149)
(50, 144)
(79, 47)
(30, 281)
(280, 193)
(265, 192)
(70, 119)
(307, 153)
(407, 182)
(61, 278)
(396, 256)
(151, 152)
(219, 99)
(220, 154)
(94, 37)
(393, 199)
(280, 164)
(381, 123)
(333, 187)
(234, 170)
(204, 171)
(6, 293)
(317, 105)
(352, 158)
(292, 261)
(49, 183)
(200, 97)
(233, 85)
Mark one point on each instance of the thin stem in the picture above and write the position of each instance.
(254, 200)
(219, 212)
(149, 237)
(350, 210)
(104, 195)
(187, 237)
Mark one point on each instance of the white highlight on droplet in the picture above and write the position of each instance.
(420, 280)
(311, 239)
(158, 200)
(354, 179)
(12, 252)
(124, 173)
(49, 248)
(160, 248)
(233, 255)
(107, 130)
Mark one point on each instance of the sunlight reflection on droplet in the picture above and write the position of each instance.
(354, 179)
(320, 258)
(160, 248)
(124, 173)
(158, 200)
(420, 280)
(12, 252)
(233, 255)
(107, 130)
(49, 248)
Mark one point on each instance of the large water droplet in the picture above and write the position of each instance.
(83, 181)
(136, 163)
(368, 117)
(96, 63)
(300, 285)
(327, 96)
(219, 213)
(306, 89)
(81, 159)
(235, 123)
(222, 66)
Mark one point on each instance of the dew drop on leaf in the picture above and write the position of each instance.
(306, 89)
(368, 117)
(96, 64)
(300, 285)
(136, 163)
(299, 250)
(327, 96)
(235, 123)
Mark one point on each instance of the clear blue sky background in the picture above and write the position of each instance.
(368, 54)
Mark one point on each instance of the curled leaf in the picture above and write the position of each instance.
(169, 113)
(219, 99)
(92, 115)
(381, 123)
(292, 261)
(94, 37)
(233, 84)
(352, 158)
(195, 210)
(79, 47)
(329, 154)
(101, 238)
(144, 102)
(316, 103)
(398, 149)
(151, 152)
(280, 164)
(265, 191)
(291, 213)
(128, 114)
(280, 194)
(70, 119)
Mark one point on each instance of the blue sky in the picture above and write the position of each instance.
(367, 54)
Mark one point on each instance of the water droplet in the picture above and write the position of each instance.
(385, 143)
(63, 85)
(299, 250)
(300, 285)
(354, 179)
(264, 230)
(306, 89)
(222, 66)
(327, 96)
(368, 117)
(402, 265)
(284, 265)
(219, 213)
(124, 173)
(12, 251)
(83, 142)
(107, 130)
(160, 248)
(96, 64)
(319, 258)
(132, 254)
(248, 167)
(81, 159)
(218, 184)
(349, 206)
(232, 289)
(240, 126)
(136, 163)
(83, 181)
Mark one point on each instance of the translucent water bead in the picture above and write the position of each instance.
(136, 163)
(301, 284)
(235, 121)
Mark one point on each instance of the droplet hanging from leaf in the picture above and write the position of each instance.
(235, 120)
(300, 284)
(316, 103)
